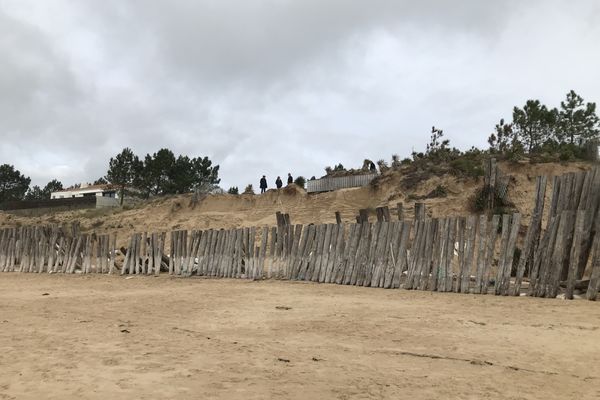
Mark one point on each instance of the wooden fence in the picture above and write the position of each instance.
(51, 249)
(473, 254)
(75, 202)
(330, 183)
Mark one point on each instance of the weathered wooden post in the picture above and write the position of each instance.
(419, 211)
(379, 213)
(400, 210)
(386, 213)
(280, 219)
(363, 215)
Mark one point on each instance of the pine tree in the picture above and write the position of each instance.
(13, 185)
(53, 186)
(123, 170)
(35, 193)
(577, 121)
(534, 124)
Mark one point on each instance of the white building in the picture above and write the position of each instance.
(86, 190)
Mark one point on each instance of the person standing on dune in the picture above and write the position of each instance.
(263, 184)
(278, 182)
(290, 179)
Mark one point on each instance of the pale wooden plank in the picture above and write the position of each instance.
(461, 239)
(426, 256)
(272, 251)
(538, 258)
(481, 253)
(556, 182)
(172, 253)
(558, 256)
(75, 255)
(362, 260)
(297, 265)
(363, 242)
(471, 235)
(310, 243)
(437, 251)
(503, 246)
(510, 252)
(366, 272)
(203, 251)
(331, 254)
(239, 253)
(336, 260)
(216, 261)
(251, 242)
(373, 251)
(293, 255)
(414, 251)
(575, 253)
(224, 256)
(125, 267)
(450, 252)
(382, 253)
(263, 252)
(532, 236)
(442, 282)
(143, 252)
(349, 264)
(325, 253)
(211, 252)
(317, 248)
(339, 268)
(419, 211)
(214, 251)
(391, 256)
(545, 259)
(594, 285)
(311, 254)
(419, 254)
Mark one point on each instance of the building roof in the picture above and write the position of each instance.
(106, 186)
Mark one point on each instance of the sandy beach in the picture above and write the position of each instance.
(98, 337)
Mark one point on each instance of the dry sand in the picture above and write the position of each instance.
(106, 337)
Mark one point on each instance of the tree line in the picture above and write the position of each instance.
(161, 173)
(536, 131)
(537, 128)
(156, 174)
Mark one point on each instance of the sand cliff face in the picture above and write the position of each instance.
(228, 211)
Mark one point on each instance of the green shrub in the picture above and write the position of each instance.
(566, 154)
(300, 181)
(439, 191)
(466, 167)
(479, 202)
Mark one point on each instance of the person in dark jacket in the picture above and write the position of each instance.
(290, 179)
(278, 182)
(263, 184)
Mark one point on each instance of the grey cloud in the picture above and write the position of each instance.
(275, 86)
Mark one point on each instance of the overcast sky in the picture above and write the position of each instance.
(270, 87)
